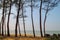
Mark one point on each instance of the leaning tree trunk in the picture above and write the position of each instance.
(8, 33)
(44, 24)
(41, 18)
(3, 18)
(45, 18)
(17, 19)
(32, 18)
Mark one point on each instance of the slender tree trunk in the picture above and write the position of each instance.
(32, 18)
(8, 33)
(3, 18)
(17, 19)
(5, 15)
(24, 26)
(41, 18)
(44, 24)
(45, 18)
(23, 20)
(5, 23)
(5, 29)
(0, 28)
(19, 29)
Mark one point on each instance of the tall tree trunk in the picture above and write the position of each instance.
(5, 29)
(5, 24)
(45, 18)
(44, 23)
(19, 29)
(32, 18)
(0, 28)
(23, 20)
(5, 15)
(8, 33)
(17, 18)
(41, 18)
(3, 18)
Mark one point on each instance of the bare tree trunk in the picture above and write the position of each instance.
(19, 29)
(5, 23)
(17, 19)
(23, 20)
(32, 18)
(0, 28)
(5, 15)
(44, 24)
(8, 33)
(41, 18)
(5, 29)
(3, 18)
(24, 26)
(45, 18)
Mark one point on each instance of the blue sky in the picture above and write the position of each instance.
(53, 20)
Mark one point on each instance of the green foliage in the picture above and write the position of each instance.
(53, 38)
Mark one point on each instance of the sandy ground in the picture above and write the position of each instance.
(28, 37)
(21, 38)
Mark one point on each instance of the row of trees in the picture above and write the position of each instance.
(6, 6)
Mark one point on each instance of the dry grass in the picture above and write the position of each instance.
(28, 37)
(21, 38)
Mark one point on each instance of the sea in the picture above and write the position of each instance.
(37, 33)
